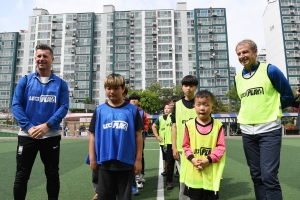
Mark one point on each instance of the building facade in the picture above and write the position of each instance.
(262, 56)
(144, 46)
(282, 35)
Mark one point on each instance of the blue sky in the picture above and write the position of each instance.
(244, 17)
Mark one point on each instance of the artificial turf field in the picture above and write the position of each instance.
(75, 175)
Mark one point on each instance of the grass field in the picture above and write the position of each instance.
(76, 184)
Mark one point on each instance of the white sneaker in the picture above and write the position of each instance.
(139, 185)
(140, 178)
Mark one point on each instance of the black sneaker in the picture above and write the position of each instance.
(169, 186)
(164, 173)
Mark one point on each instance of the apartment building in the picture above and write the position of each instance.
(144, 46)
(282, 35)
(261, 56)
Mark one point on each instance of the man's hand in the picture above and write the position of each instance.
(31, 130)
(38, 131)
(176, 154)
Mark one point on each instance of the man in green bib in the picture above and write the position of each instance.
(264, 92)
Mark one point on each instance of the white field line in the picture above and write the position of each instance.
(160, 185)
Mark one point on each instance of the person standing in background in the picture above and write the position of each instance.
(295, 104)
(162, 131)
(40, 102)
(182, 112)
(204, 148)
(115, 120)
(135, 100)
(264, 92)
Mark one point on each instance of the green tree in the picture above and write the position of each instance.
(220, 106)
(234, 100)
(150, 101)
(86, 101)
(177, 90)
(154, 87)
(166, 93)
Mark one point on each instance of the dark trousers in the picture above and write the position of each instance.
(262, 152)
(112, 184)
(171, 163)
(143, 160)
(164, 153)
(27, 150)
(95, 180)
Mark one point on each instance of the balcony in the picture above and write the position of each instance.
(165, 41)
(5, 62)
(6, 70)
(218, 22)
(4, 88)
(166, 76)
(163, 15)
(82, 60)
(9, 54)
(122, 33)
(151, 76)
(150, 16)
(151, 67)
(7, 46)
(7, 38)
(57, 60)
(5, 79)
(165, 24)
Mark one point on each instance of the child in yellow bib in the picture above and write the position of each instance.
(204, 148)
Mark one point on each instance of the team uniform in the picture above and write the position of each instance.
(38, 100)
(115, 148)
(182, 112)
(164, 123)
(266, 89)
(203, 141)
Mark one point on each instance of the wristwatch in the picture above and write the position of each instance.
(49, 124)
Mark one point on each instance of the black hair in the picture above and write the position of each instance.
(126, 99)
(206, 94)
(189, 80)
(164, 105)
(175, 98)
(134, 97)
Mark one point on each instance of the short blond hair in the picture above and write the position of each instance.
(114, 80)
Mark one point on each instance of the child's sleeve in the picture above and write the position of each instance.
(218, 152)
(186, 145)
(146, 122)
(138, 121)
(157, 122)
(93, 123)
